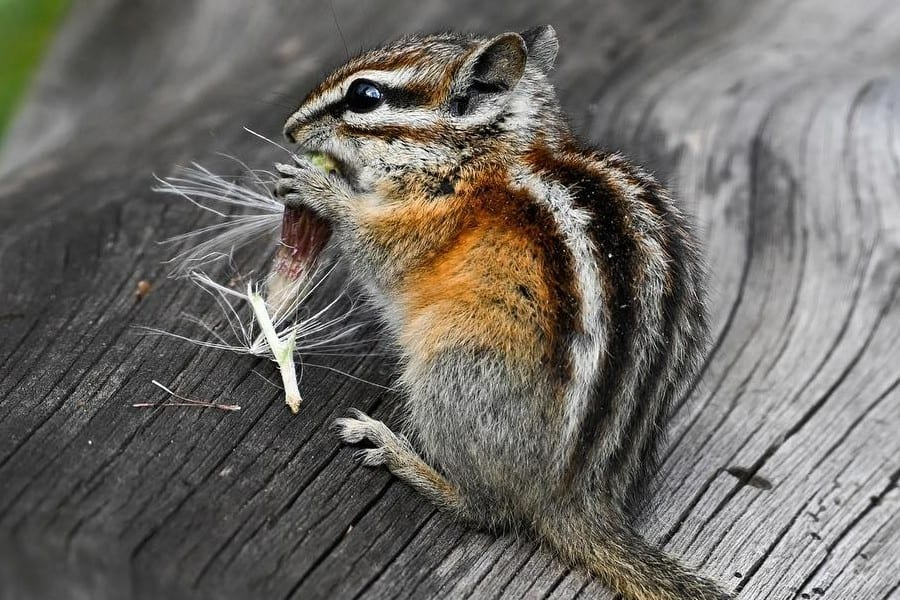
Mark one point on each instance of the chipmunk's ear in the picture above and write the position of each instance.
(501, 62)
(485, 78)
(542, 46)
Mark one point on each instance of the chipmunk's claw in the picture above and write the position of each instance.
(305, 184)
(361, 427)
(295, 178)
(371, 457)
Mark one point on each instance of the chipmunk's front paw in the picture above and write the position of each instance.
(305, 184)
(389, 446)
(395, 452)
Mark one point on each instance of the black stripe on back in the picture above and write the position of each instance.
(610, 230)
(634, 463)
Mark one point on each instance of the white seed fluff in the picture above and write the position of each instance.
(248, 324)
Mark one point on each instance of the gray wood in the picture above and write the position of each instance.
(776, 122)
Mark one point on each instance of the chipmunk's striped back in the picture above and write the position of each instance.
(643, 310)
(547, 298)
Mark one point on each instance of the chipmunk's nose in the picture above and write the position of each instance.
(292, 126)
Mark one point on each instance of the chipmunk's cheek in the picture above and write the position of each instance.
(303, 237)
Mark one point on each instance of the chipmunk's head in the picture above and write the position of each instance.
(426, 104)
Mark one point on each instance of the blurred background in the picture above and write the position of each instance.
(26, 27)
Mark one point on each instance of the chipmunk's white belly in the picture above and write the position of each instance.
(483, 427)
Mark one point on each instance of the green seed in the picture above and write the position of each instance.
(323, 161)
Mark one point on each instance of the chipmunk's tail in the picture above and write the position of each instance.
(615, 553)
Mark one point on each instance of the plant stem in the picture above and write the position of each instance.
(282, 350)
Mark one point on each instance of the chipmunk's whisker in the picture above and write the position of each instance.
(248, 171)
(269, 141)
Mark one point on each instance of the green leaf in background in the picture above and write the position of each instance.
(26, 26)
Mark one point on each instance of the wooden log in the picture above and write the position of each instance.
(776, 123)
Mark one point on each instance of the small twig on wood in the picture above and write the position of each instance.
(184, 401)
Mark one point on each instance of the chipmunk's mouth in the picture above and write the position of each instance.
(303, 237)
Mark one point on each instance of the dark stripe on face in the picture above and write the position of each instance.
(407, 97)
(403, 98)
(393, 133)
(334, 110)
(610, 230)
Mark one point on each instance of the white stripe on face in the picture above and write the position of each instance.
(391, 115)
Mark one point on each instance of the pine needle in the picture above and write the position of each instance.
(184, 401)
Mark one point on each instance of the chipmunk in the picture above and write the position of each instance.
(547, 298)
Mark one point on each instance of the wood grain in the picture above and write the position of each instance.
(776, 123)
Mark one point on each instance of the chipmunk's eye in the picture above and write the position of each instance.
(363, 95)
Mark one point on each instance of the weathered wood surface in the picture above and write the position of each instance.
(777, 122)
